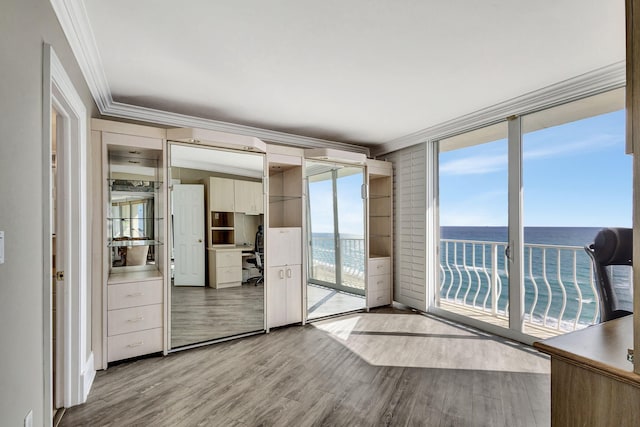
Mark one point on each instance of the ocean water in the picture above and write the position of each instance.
(553, 287)
(556, 279)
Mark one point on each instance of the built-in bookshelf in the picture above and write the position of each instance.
(380, 233)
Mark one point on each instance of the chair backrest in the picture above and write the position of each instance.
(611, 246)
(258, 245)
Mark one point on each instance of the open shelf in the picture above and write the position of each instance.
(277, 199)
(133, 242)
(132, 185)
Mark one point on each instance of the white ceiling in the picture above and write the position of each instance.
(357, 71)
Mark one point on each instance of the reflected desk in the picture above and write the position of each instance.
(592, 383)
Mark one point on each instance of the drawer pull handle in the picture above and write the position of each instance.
(135, 294)
(135, 344)
(137, 319)
(282, 274)
(289, 273)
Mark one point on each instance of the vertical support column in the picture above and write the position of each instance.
(633, 146)
(336, 228)
(432, 233)
(516, 235)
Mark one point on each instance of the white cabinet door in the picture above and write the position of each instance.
(257, 197)
(284, 246)
(293, 274)
(276, 297)
(221, 195)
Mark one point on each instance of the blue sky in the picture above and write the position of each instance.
(574, 174)
(350, 206)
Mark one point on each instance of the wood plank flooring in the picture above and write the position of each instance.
(201, 313)
(388, 367)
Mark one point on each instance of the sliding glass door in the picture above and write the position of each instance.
(518, 201)
(473, 192)
(335, 224)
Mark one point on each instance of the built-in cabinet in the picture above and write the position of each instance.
(130, 302)
(248, 197)
(225, 198)
(130, 311)
(283, 256)
(379, 231)
(225, 267)
(284, 276)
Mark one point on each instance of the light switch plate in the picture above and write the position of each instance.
(1, 247)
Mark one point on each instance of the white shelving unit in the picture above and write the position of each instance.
(129, 318)
(380, 233)
(283, 256)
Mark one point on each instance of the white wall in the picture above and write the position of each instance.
(24, 26)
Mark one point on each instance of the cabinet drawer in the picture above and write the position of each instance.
(134, 344)
(228, 258)
(134, 294)
(380, 282)
(228, 274)
(379, 266)
(378, 297)
(134, 319)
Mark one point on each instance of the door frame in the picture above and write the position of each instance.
(59, 93)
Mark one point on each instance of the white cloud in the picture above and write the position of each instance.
(594, 143)
(474, 165)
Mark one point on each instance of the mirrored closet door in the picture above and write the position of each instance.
(216, 202)
(336, 238)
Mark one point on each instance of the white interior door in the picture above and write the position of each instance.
(188, 234)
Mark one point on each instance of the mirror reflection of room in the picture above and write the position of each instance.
(217, 250)
(133, 188)
(336, 228)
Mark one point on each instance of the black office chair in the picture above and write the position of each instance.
(258, 248)
(611, 246)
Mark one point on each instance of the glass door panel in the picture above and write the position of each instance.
(577, 180)
(351, 228)
(335, 225)
(322, 236)
(473, 199)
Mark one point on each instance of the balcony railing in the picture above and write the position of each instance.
(559, 289)
(323, 260)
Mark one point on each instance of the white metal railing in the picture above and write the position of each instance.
(559, 288)
(323, 260)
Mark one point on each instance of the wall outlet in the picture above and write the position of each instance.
(28, 420)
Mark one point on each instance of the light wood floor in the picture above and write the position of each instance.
(201, 313)
(388, 367)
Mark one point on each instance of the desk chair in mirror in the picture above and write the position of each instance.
(258, 260)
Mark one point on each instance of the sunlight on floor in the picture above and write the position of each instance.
(412, 340)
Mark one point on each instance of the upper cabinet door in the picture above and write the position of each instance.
(249, 197)
(221, 195)
(284, 246)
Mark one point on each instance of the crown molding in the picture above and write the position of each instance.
(597, 81)
(127, 111)
(74, 20)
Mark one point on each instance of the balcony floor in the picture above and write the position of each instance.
(499, 320)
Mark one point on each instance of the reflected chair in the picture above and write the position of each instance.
(611, 247)
(258, 248)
